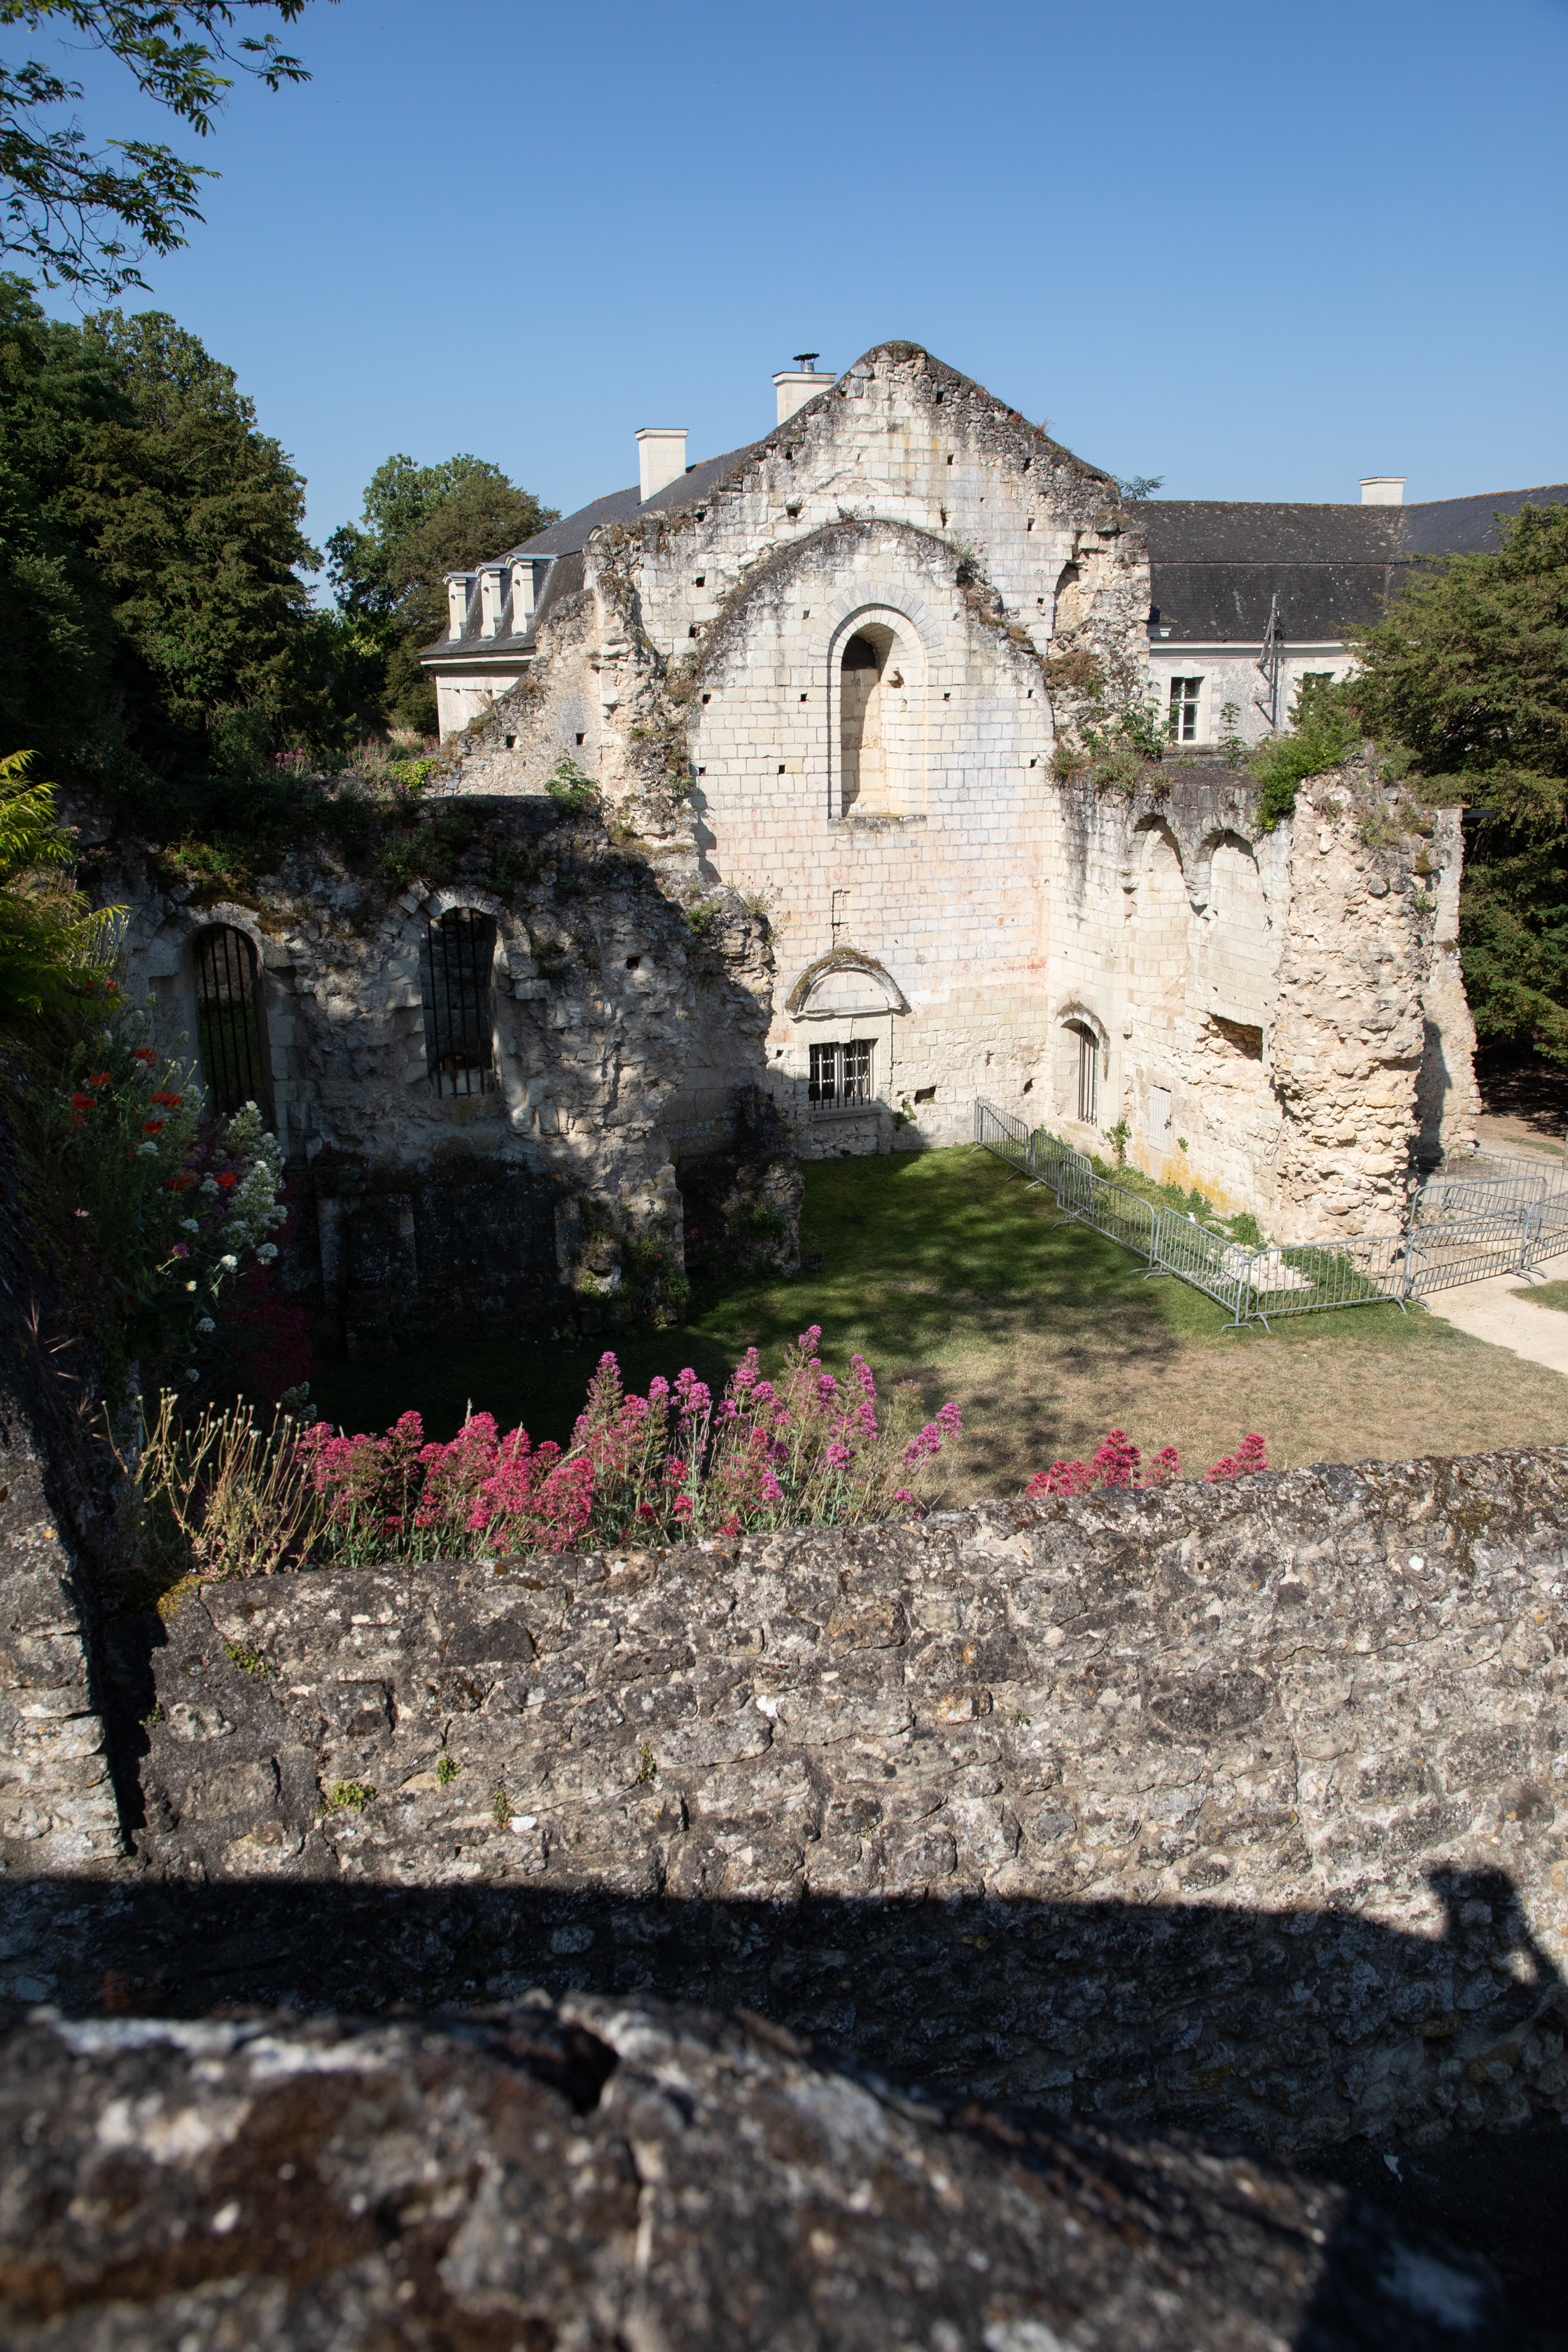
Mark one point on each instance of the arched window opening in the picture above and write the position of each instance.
(231, 1034)
(1087, 1075)
(460, 1014)
(869, 674)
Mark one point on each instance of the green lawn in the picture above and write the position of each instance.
(942, 1267)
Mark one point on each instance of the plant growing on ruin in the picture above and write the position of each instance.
(1118, 1462)
(48, 938)
(569, 789)
(225, 1496)
(1119, 1137)
(810, 1449)
(155, 1210)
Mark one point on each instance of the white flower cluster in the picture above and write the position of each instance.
(253, 1210)
(205, 1323)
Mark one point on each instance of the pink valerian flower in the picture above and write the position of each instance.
(1250, 1456)
(838, 1456)
(1119, 1464)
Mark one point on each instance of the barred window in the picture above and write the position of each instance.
(841, 1072)
(231, 1036)
(1182, 725)
(460, 1014)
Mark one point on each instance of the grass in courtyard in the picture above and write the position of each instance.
(941, 1268)
(1545, 1294)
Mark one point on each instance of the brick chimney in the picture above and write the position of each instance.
(661, 457)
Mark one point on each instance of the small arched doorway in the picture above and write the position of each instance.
(231, 1025)
(454, 988)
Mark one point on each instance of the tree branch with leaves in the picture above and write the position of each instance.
(86, 218)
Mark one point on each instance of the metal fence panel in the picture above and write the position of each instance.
(1480, 1220)
(996, 1130)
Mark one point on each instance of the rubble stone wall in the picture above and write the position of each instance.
(1372, 1039)
(415, 1206)
(1241, 1807)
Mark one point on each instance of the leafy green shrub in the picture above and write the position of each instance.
(1325, 727)
(569, 789)
(48, 935)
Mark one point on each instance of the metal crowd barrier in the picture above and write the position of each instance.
(1008, 1137)
(1477, 1220)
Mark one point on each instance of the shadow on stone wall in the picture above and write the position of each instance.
(1067, 2014)
(1202, 2016)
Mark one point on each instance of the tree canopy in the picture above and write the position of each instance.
(149, 540)
(67, 212)
(1468, 675)
(418, 523)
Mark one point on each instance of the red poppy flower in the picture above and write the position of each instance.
(228, 1179)
(170, 1102)
(152, 1127)
(81, 1102)
(143, 1054)
(78, 1120)
(98, 1077)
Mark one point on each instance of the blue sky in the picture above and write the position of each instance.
(1262, 252)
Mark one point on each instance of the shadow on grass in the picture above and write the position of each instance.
(928, 1261)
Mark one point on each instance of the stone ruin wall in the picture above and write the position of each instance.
(1240, 1808)
(1293, 1022)
(411, 1207)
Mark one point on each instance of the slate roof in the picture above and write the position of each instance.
(1215, 564)
(565, 540)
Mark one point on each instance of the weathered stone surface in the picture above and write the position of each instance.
(614, 2174)
(1235, 1806)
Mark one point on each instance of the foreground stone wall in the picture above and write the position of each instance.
(1235, 1806)
(612, 2174)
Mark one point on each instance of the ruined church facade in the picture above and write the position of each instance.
(851, 677)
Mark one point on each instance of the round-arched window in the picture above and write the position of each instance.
(231, 1028)
(455, 986)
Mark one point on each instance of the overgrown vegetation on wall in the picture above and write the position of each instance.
(1464, 687)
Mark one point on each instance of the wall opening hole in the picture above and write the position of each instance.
(579, 738)
(511, 742)
(633, 962)
(925, 1094)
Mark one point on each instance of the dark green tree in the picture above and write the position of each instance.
(419, 522)
(69, 212)
(1468, 673)
(192, 518)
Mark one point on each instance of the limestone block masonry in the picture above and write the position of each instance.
(1240, 1807)
(612, 2174)
(857, 679)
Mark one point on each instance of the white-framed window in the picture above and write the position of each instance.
(841, 1074)
(1181, 720)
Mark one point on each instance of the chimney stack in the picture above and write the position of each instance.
(521, 595)
(492, 593)
(797, 385)
(459, 587)
(661, 457)
(1382, 489)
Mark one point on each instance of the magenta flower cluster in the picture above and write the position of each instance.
(808, 1449)
(1118, 1463)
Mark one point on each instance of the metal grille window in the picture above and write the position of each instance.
(1087, 1077)
(1181, 725)
(230, 1034)
(841, 1074)
(459, 1018)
